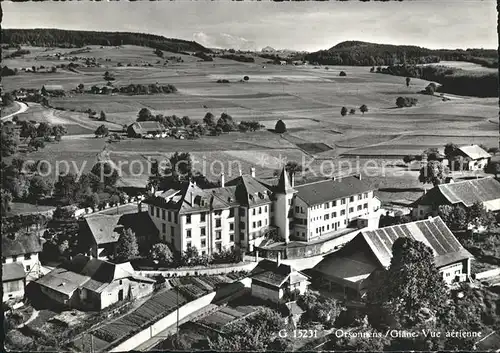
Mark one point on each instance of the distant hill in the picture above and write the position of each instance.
(358, 53)
(48, 37)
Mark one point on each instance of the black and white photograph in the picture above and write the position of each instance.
(235, 176)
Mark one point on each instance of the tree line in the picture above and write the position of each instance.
(354, 53)
(45, 37)
(452, 80)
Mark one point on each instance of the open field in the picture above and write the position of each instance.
(306, 98)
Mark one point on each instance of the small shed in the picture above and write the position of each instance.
(13, 281)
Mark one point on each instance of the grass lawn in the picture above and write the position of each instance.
(18, 208)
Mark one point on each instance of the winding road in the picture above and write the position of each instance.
(22, 109)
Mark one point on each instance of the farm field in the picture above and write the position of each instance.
(308, 99)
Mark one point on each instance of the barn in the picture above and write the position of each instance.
(348, 270)
(145, 128)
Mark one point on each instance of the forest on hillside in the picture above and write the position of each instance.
(76, 39)
(371, 54)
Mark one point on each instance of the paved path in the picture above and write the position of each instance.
(22, 108)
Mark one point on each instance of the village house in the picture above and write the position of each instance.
(100, 233)
(13, 281)
(23, 248)
(244, 211)
(275, 281)
(464, 193)
(93, 284)
(145, 129)
(476, 157)
(349, 269)
(53, 90)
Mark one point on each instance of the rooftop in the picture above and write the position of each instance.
(467, 192)
(328, 190)
(104, 228)
(474, 152)
(22, 243)
(12, 271)
(433, 232)
(269, 272)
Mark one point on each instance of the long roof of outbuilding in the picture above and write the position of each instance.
(467, 192)
(433, 232)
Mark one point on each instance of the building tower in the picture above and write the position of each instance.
(283, 213)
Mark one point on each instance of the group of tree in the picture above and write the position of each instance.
(363, 109)
(9, 138)
(8, 72)
(178, 173)
(158, 53)
(22, 182)
(245, 126)
(318, 309)
(133, 89)
(240, 58)
(406, 102)
(203, 56)
(256, 332)
(458, 217)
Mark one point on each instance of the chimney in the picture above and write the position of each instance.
(239, 170)
(292, 180)
(192, 198)
(278, 261)
(139, 207)
(256, 255)
(222, 179)
(252, 172)
(359, 176)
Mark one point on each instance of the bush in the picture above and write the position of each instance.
(406, 102)
(342, 74)
(280, 127)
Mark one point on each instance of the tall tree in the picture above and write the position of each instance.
(493, 167)
(363, 109)
(454, 216)
(343, 111)
(144, 115)
(44, 130)
(126, 247)
(107, 173)
(411, 284)
(9, 140)
(209, 119)
(6, 199)
(434, 172)
(39, 188)
(408, 79)
(280, 127)
(161, 253)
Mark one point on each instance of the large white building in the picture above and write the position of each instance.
(243, 211)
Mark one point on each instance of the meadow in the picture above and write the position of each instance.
(308, 99)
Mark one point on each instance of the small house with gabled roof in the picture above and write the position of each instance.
(476, 157)
(273, 280)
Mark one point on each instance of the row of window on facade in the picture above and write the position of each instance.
(334, 214)
(334, 227)
(334, 203)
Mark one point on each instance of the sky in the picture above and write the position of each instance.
(250, 25)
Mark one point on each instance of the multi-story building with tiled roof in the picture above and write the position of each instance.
(241, 212)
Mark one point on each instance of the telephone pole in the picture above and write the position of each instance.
(177, 291)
